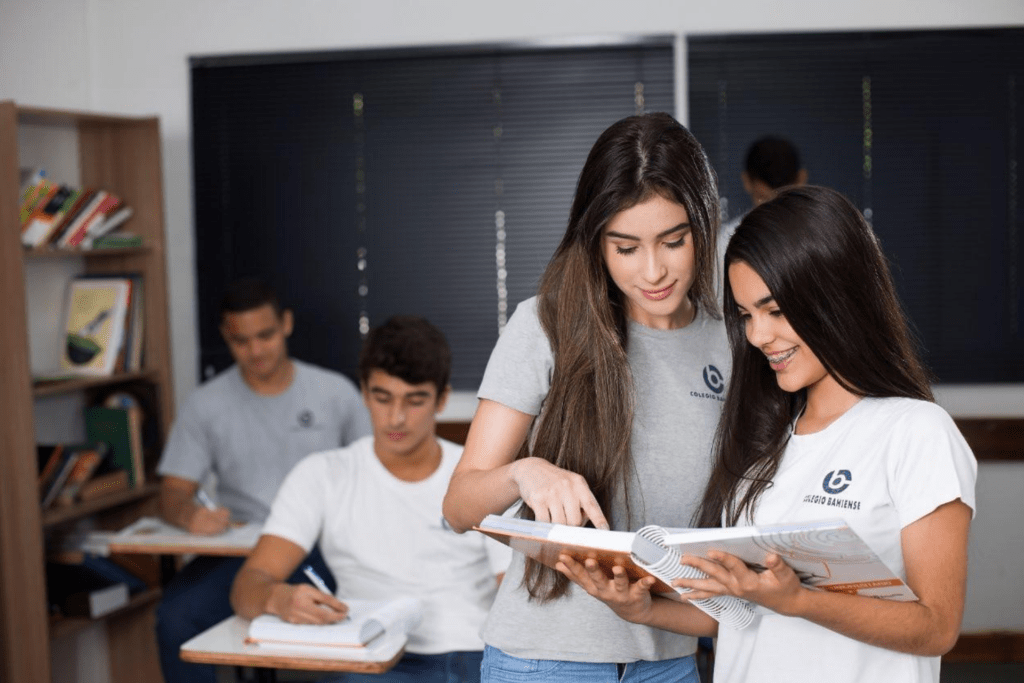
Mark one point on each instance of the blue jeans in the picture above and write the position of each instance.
(448, 667)
(499, 667)
(198, 598)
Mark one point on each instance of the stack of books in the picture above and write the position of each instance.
(111, 459)
(73, 472)
(59, 215)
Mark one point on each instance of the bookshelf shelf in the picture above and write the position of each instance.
(86, 253)
(120, 154)
(61, 515)
(66, 386)
(66, 626)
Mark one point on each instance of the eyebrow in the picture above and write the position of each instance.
(663, 233)
(411, 394)
(759, 303)
(265, 332)
(763, 300)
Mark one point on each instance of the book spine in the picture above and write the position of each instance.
(75, 230)
(108, 203)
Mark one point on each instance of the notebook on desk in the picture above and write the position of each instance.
(150, 534)
(358, 636)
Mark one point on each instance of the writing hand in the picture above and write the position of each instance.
(630, 601)
(208, 522)
(304, 604)
(556, 495)
(778, 588)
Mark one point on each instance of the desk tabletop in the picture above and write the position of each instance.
(225, 644)
(150, 535)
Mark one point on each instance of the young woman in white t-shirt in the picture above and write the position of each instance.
(583, 408)
(829, 414)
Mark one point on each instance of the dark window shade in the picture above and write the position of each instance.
(295, 183)
(920, 130)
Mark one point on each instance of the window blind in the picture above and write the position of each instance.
(428, 182)
(920, 129)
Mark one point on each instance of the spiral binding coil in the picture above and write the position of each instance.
(726, 609)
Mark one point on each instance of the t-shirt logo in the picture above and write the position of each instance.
(306, 418)
(837, 481)
(713, 378)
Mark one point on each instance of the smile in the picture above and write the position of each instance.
(779, 361)
(658, 294)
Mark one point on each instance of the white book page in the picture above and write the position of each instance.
(621, 541)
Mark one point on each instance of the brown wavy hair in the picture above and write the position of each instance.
(587, 417)
(826, 271)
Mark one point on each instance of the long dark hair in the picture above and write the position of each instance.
(826, 271)
(588, 414)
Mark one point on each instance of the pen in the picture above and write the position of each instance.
(315, 579)
(204, 498)
(319, 583)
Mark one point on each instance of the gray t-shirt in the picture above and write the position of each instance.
(681, 376)
(251, 441)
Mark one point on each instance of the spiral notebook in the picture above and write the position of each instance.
(827, 555)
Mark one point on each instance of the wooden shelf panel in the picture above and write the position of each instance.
(67, 386)
(72, 512)
(85, 253)
(65, 626)
(62, 117)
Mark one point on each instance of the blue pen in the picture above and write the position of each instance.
(315, 579)
(319, 583)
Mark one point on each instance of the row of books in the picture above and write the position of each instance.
(110, 460)
(103, 326)
(59, 215)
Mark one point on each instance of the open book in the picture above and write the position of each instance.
(827, 555)
(368, 622)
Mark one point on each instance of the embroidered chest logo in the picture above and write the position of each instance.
(714, 381)
(834, 483)
(713, 378)
(837, 481)
(306, 419)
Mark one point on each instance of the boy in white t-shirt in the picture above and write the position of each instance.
(374, 508)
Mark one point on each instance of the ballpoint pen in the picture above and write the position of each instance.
(319, 583)
(315, 579)
(204, 498)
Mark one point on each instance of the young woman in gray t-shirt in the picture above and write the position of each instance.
(600, 401)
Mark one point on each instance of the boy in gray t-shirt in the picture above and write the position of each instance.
(248, 426)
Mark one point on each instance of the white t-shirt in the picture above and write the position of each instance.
(881, 466)
(383, 537)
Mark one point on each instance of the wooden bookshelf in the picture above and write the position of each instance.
(79, 253)
(120, 154)
(67, 386)
(62, 515)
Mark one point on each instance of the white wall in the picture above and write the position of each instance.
(131, 56)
